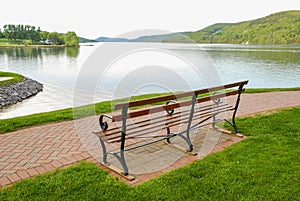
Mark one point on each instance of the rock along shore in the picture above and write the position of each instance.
(19, 91)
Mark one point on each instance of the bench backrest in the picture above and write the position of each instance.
(209, 95)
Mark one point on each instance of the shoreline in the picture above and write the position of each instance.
(32, 46)
(88, 44)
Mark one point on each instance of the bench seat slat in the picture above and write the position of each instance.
(152, 130)
(143, 122)
(163, 123)
(132, 125)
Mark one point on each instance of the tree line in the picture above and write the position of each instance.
(31, 35)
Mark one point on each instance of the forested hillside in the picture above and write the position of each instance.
(278, 28)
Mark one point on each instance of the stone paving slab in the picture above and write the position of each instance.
(36, 150)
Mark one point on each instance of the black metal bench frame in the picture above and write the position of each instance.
(171, 119)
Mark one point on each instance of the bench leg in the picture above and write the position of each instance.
(214, 121)
(168, 133)
(232, 123)
(104, 152)
(187, 137)
(120, 157)
(188, 141)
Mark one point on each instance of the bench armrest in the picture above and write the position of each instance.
(103, 124)
(172, 110)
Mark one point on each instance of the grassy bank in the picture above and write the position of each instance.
(15, 78)
(8, 125)
(262, 90)
(263, 167)
(6, 43)
(19, 43)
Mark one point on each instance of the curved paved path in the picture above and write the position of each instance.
(31, 151)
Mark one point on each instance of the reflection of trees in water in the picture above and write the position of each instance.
(21, 53)
(279, 56)
(29, 53)
(53, 51)
(72, 52)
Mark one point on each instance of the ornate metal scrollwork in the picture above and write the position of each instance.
(172, 110)
(104, 124)
(216, 100)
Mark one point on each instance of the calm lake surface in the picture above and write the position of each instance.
(61, 71)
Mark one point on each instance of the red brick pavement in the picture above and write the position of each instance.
(36, 150)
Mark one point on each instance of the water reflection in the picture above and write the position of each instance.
(290, 56)
(21, 53)
(72, 52)
(29, 53)
(264, 66)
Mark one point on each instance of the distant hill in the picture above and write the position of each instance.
(278, 28)
(167, 38)
(85, 40)
(106, 39)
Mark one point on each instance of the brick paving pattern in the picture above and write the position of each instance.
(36, 150)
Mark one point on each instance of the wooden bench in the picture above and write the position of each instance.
(143, 126)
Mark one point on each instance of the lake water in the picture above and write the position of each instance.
(67, 76)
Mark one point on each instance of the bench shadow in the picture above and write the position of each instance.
(151, 161)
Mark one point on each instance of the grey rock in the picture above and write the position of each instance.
(19, 91)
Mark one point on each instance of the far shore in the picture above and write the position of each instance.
(32, 46)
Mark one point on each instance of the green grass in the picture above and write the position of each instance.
(265, 166)
(77, 182)
(6, 42)
(20, 43)
(15, 78)
(261, 90)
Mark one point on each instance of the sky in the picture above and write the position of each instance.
(112, 18)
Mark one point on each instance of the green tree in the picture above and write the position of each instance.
(27, 42)
(55, 38)
(22, 32)
(7, 31)
(61, 39)
(34, 34)
(44, 35)
(71, 39)
(1, 34)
